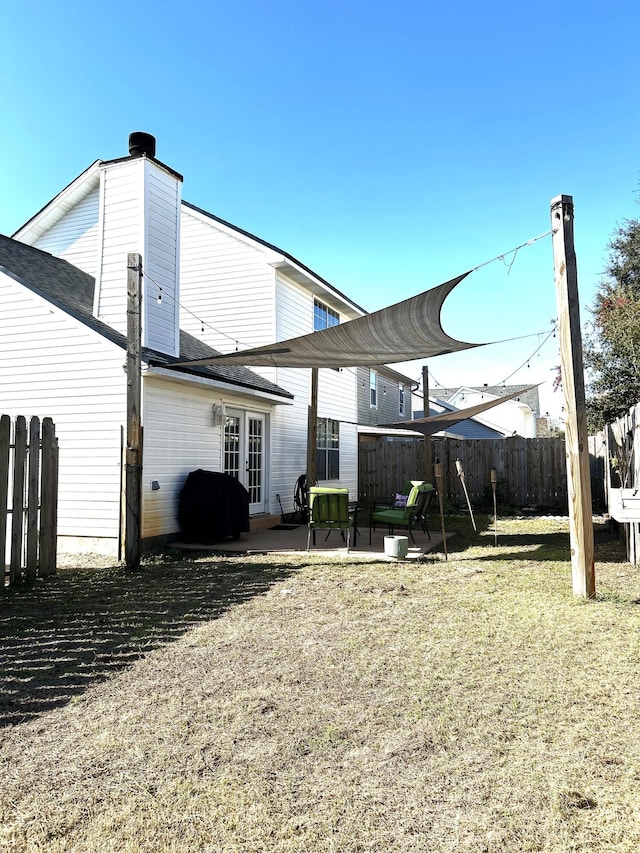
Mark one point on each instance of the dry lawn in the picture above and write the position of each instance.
(285, 704)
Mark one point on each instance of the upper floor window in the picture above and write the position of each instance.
(323, 316)
(373, 389)
(401, 405)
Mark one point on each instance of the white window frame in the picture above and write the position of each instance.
(323, 316)
(373, 388)
(328, 449)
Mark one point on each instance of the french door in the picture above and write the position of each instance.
(244, 454)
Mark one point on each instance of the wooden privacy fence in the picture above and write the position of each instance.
(28, 497)
(530, 471)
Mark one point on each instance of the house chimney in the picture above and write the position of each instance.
(140, 212)
(142, 144)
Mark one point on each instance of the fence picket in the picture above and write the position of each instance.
(28, 492)
(33, 498)
(5, 442)
(17, 515)
(48, 500)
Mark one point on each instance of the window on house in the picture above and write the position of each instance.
(328, 450)
(373, 389)
(323, 316)
(401, 400)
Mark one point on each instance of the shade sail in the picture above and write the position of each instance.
(405, 331)
(435, 423)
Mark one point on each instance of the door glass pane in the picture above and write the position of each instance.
(232, 446)
(254, 460)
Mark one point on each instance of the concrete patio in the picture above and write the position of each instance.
(292, 538)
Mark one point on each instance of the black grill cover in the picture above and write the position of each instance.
(212, 506)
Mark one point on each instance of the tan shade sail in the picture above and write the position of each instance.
(435, 423)
(405, 331)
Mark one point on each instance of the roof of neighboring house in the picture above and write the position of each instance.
(72, 290)
(469, 428)
(529, 395)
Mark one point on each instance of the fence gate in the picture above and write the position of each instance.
(28, 498)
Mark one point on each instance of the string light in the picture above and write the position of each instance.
(202, 322)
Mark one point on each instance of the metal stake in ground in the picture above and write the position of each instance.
(437, 470)
(494, 482)
(464, 487)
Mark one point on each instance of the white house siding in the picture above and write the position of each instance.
(160, 259)
(53, 366)
(74, 236)
(180, 436)
(121, 232)
(294, 312)
(140, 213)
(336, 399)
(226, 284)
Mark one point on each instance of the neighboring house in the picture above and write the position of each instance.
(207, 286)
(384, 396)
(468, 428)
(513, 417)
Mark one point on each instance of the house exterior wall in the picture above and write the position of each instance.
(336, 397)
(139, 212)
(74, 236)
(180, 436)
(53, 366)
(225, 284)
(388, 399)
(509, 417)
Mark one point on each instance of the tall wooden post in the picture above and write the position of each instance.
(428, 455)
(312, 430)
(133, 455)
(577, 449)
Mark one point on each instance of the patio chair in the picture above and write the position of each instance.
(329, 510)
(399, 499)
(412, 516)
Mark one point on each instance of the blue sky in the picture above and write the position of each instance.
(388, 147)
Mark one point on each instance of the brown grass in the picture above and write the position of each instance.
(300, 704)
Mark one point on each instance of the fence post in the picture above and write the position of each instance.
(48, 500)
(33, 496)
(5, 441)
(17, 516)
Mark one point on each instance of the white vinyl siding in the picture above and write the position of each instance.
(179, 436)
(53, 366)
(140, 213)
(294, 309)
(74, 236)
(336, 400)
(160, 261)
(121, 229)
(226, 284)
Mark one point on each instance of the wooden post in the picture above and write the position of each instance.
(133, 456)
(48, 541)
(428, 452)
(494, 482)
(33, 499)
(576, 439)
(17, 518)
(437, 470)
(5, 444)
(312, 430)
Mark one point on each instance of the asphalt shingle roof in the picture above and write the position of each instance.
(72, 290)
